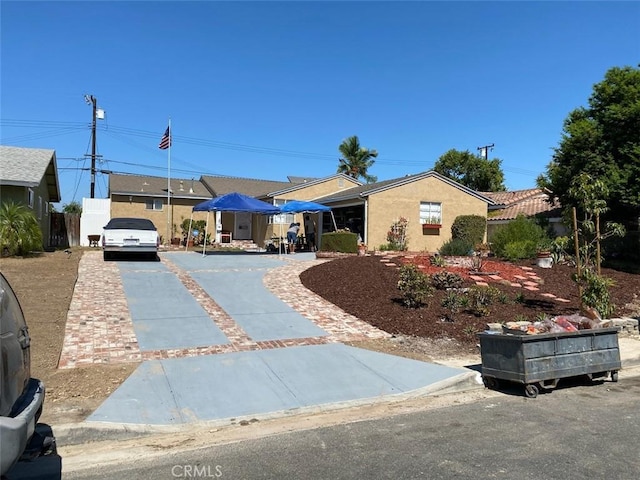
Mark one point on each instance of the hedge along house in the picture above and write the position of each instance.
(29, 176)
(532, 203)
(429, 202)
(146, 197)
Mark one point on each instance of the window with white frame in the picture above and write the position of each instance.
(30, 197)
(283, 218)
(154, 204)
(430, 213)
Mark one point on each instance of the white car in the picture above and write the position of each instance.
(130, 235)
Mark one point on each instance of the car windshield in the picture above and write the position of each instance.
(130, 224)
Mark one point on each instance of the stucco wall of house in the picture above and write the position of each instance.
(404, 201)
(135, 206)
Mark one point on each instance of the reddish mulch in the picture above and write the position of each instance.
(366, 288)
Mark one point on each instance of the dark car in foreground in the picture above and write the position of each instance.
(21, 397)
(130, 235)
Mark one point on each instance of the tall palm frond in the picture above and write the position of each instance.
(356, 160)
(19, 230)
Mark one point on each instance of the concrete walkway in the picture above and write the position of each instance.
(224, 336)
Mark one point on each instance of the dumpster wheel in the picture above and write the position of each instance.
(531, 391)
(490, 382)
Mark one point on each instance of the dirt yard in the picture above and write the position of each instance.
(44, 286)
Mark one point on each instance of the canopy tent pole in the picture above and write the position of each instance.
(335, 228)
(206, 228)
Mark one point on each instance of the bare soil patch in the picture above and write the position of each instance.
(44, 286)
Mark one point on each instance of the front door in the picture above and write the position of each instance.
(243, 226)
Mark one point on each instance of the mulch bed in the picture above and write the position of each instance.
(367, 288)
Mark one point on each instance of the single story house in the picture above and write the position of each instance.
(532, 202)
(429, 202)
(29, 176)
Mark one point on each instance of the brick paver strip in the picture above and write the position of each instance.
(496, 277)
(533, 289)
(526, 268)
(99, 327)
(550, 295)
(563, 300)
(477, 278)
(520, 277)
(517, 285)
(482, 284)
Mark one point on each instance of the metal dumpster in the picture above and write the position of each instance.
(539, 361)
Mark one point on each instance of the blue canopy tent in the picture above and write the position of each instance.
(302, 206)
(232, 202)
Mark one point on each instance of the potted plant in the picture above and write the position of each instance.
(432, 222)
(543, 253)
(362, 249)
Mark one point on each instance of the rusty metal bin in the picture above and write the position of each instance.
(539, 361)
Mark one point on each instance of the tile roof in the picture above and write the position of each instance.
(27, 167)
(121, 184)
(529, 202)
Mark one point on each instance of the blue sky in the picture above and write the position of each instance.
(270, 89)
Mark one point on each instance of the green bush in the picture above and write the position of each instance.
(19, 230)
(480, 298)
(456, 247)
(470, 228)
(340, 241)
(519, 230)
(519, 250)
(414, 286)
(445, 280)
(595, 292)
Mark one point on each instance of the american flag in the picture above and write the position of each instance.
(165, 141)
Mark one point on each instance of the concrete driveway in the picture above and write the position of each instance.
(225, 336)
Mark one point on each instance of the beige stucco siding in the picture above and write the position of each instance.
(385, 207)
(319, 190)
(121, 206)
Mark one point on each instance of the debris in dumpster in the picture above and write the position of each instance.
(559, 324)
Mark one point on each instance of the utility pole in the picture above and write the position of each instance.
(90, 99)
(484, 151)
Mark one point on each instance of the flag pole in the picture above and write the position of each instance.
(169, 186)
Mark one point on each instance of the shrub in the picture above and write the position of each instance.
(445, 280)
(397, 235)
(470, 228)
(340, 241)
(480, 298)
(19, 230)
(519, 230)
(456, 247)
(595, 292)
(452, 302)
(414, 286)
(519, 250)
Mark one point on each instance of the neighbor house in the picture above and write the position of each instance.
(532, 203)
(29, 176)
(429, 202)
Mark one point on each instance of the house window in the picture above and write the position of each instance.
(283, 218)
(430, 213)
(154, 204)
(39, 208)
(30, 197)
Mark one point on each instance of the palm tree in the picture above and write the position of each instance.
(356, 160)
(19, 230)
